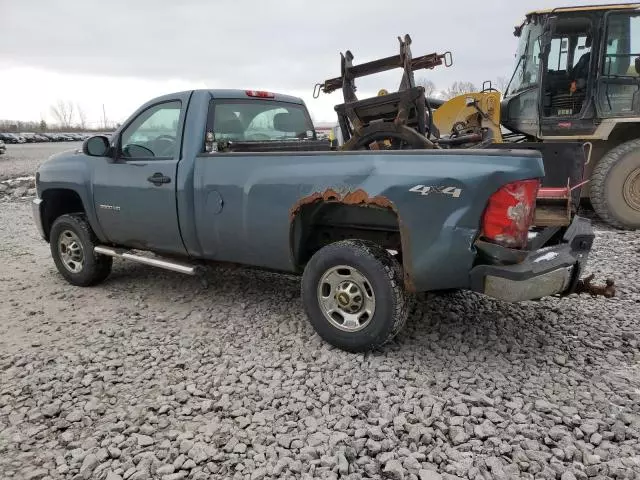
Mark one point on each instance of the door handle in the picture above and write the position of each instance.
(158, 179)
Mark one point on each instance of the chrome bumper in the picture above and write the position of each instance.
(508, 290)
(538, 273)
(36, 210)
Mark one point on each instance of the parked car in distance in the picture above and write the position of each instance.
(29, 137)
(11, 138)
(54, 137)
(3, 147)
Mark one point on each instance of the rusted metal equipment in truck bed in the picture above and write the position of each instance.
(401, 118)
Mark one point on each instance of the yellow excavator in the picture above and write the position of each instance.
(574, 95)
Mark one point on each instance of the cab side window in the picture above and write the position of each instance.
(619, 92)
(154, 133)
(623, 45)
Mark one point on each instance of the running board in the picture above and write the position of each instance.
(154, 262)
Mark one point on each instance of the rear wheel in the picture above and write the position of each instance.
(353, 295)
(615, 186)
(72, 242)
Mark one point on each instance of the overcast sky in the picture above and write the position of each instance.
(121, 53)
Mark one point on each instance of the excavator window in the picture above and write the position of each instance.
(619, 83)
(525, 74)
(558, 55)
(623, 45)
(566, 78)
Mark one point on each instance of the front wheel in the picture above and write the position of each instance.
(72, 241)
(353, 295)
(615, 186)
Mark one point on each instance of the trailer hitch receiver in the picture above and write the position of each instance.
(585, 286)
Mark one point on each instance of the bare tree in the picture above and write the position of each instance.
(502, 83)
(458, 88)
(63, 113)
(428, 85)
(82, 117)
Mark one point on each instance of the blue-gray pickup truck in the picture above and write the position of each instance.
(240, 176)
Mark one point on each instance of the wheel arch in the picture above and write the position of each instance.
(623, 132)
(57, 202)
(330, 218)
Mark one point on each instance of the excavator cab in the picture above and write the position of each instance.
(577, 79)
(574, 67)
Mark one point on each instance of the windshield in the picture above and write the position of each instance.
(527, 59)
(261, 120)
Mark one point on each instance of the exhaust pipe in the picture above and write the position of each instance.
(154, 262)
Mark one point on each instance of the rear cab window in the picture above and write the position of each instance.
(259, 120)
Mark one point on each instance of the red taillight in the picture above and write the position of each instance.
(510, 212)
(259, 94)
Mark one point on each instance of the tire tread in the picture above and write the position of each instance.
(601, 170)
(394, 277)
(101, 263)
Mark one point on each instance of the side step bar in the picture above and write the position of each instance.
(155, 262)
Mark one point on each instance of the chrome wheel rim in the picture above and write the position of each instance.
(346, 298)
(631, 189)
(71, 252)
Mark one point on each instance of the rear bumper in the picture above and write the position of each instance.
(539, 273)
(36, 210)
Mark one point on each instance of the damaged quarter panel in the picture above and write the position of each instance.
(249, 201)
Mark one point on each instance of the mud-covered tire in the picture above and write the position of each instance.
(615, 186)
(75, 232)
(384, 276)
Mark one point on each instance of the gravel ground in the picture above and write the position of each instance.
(151, 375)
(23, 159)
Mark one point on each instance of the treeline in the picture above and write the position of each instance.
(68, 117)
(18, 126)
(458, 88)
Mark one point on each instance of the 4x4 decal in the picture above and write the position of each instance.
(427, 189)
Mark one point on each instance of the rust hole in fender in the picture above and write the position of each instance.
(361, 198)
(357, 197)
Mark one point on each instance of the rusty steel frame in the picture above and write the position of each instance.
(408, 97)
(404, 60)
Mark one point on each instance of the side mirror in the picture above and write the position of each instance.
(96, 146)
